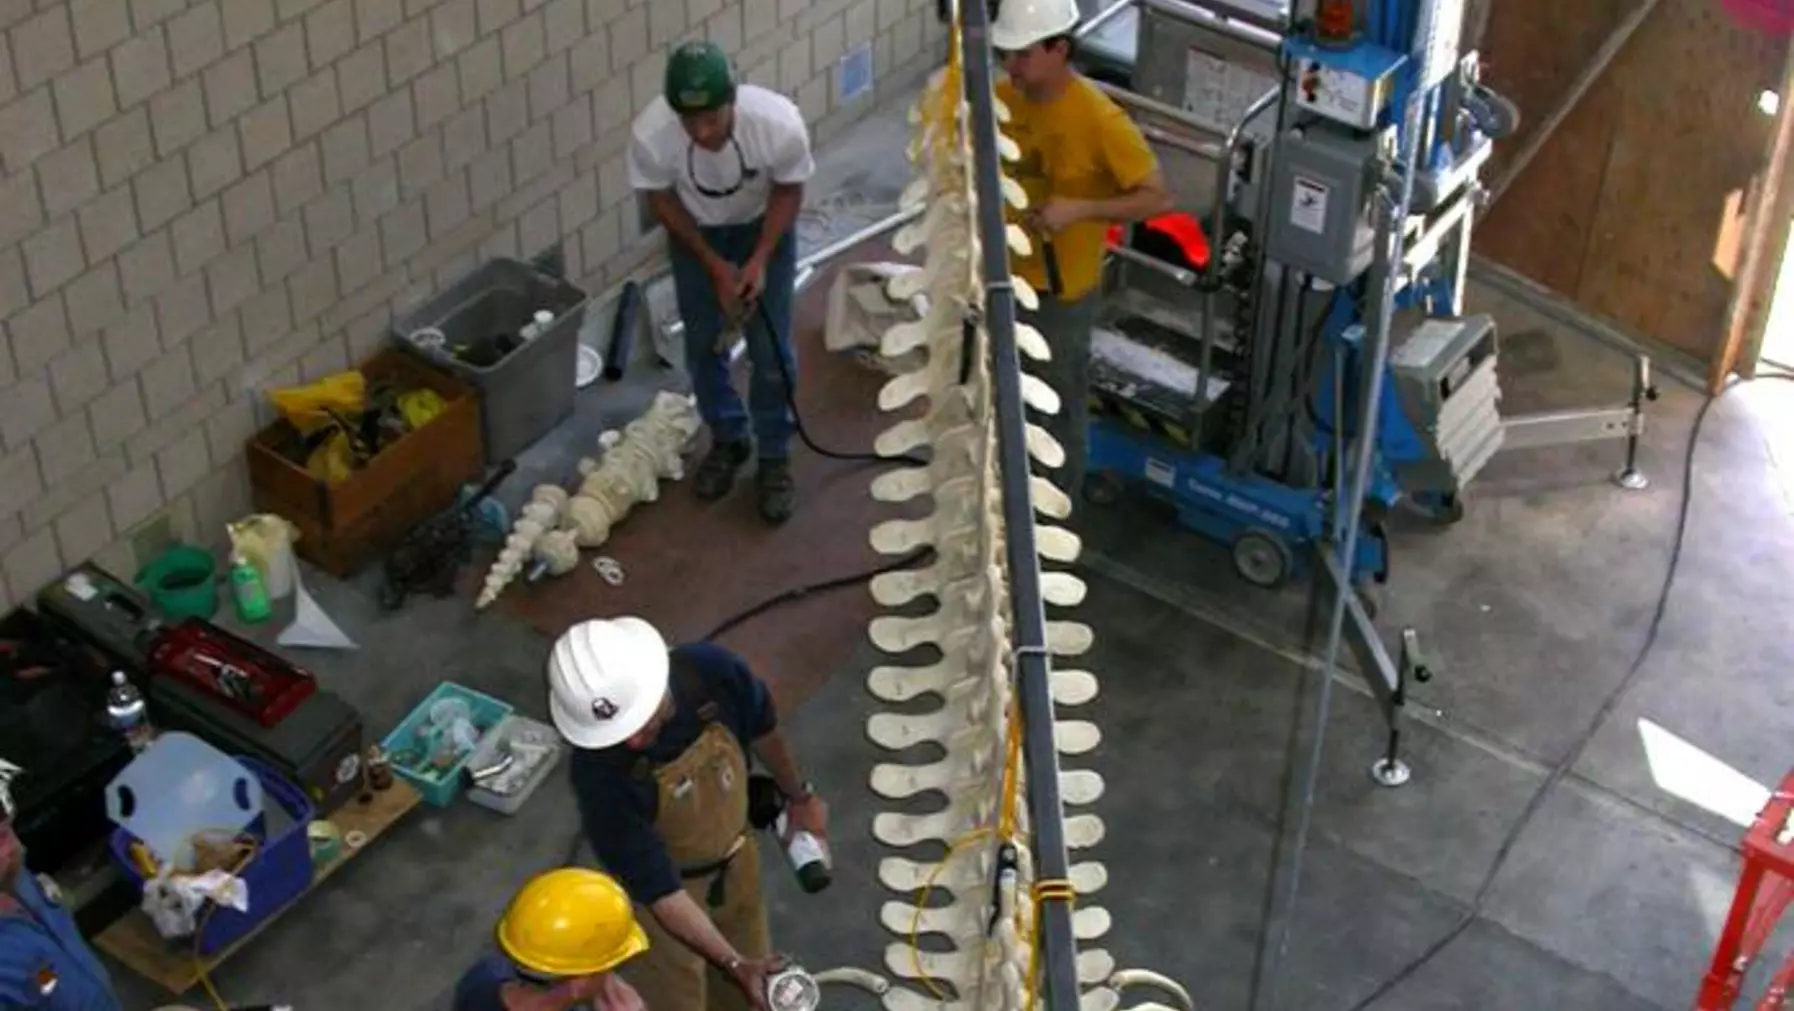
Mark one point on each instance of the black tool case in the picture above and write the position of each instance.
(317, 746)
(103, 610)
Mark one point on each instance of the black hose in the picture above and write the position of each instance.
(764, 315)
(1608, 705)
(807, 590)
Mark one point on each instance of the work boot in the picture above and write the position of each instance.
(716, 472)
(776, 490)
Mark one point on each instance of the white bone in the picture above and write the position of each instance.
(1013, 193)
(964, 920)
(1049, 501)
(1130, 979)
(903, 999)
(1077, 737)
(1080, 786)
(1043, 447)
(1057, 544)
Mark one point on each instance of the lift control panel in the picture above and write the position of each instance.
(1350, 86)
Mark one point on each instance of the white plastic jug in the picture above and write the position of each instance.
(178, 788)
(267, 541)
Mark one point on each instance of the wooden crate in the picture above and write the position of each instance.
(343, 527)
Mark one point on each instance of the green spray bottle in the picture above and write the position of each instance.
(248, 591)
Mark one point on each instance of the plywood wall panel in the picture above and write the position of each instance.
(1625, 207)
(1564, 185)
(1688, 145)
(1533, 50)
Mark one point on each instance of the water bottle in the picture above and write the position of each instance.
(806, 854)
(538, 325)
(128, 713)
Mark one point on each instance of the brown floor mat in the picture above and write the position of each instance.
(691, 565)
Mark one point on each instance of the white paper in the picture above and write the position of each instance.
(1219, 92)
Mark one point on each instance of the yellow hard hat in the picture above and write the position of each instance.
(571, 922)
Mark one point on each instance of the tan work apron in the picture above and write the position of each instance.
(702, 819)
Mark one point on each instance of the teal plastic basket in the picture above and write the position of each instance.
(439, 786)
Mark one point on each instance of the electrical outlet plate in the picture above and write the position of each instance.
(855, 73)
(152, 537)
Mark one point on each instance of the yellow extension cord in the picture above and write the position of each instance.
(250, 847)
(1046, 890)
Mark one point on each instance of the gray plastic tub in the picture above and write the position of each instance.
(526, 387)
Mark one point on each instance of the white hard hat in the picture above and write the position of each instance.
(1021, 23)
(606, 678)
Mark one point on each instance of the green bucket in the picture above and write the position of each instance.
(182, 583)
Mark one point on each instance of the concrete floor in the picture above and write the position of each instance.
(1533, 609)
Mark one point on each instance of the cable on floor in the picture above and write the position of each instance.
(807, 590)
(1608, 705)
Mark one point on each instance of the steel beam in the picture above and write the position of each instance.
(1033, 669)
(1585, 80)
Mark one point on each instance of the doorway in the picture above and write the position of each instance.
(1778, 331)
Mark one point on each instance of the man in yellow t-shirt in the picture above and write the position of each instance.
(1085, 166)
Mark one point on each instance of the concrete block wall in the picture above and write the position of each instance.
(203, 199)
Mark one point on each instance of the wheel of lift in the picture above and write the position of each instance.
(1448, 511)
(1102, 488)
(1262, 559)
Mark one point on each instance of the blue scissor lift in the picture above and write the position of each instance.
(1311, 369)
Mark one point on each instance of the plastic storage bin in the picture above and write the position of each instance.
(527, 389)
(408, 745)
(278, 872)
(512, 728)
(179, 786)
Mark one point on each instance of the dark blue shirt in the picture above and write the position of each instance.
(617, 806)
(478, 987)
(41, 948)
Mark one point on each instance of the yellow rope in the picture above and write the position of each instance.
(915, 926)
(1045, 890)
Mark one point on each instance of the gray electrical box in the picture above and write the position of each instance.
(1322, 178)
(1445, 380)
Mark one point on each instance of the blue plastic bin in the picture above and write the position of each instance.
(279, 872)
(440, 787)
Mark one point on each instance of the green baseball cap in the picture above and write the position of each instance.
(699, 78)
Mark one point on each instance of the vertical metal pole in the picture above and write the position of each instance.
(1629, 476)
(1033, 671)
(1373, 356)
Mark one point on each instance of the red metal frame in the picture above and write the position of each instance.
(1765, 888)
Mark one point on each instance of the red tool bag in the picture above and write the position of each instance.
(1175, 238)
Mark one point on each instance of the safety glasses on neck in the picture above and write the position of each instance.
(743, 173)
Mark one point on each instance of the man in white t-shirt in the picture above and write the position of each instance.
(723, 167)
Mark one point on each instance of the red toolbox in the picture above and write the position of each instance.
(244, 676)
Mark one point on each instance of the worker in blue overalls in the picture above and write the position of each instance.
(44, 963)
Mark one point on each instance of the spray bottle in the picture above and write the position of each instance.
(808, 857)
(248, 591)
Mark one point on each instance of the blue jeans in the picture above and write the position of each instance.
(769, 407)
